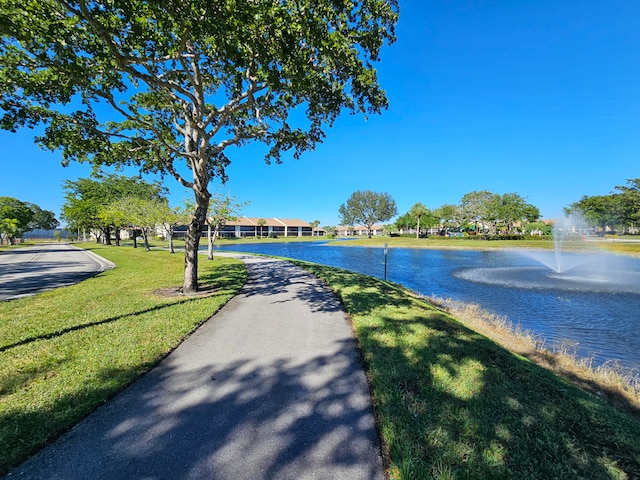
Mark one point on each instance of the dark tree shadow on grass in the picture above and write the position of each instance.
(454, 404)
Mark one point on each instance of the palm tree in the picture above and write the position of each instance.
(314, 226)
(261, 223)
(417, 211)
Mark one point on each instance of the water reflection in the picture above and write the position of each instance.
(600, 319)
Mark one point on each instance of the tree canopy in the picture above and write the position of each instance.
(496, 213)
(166, 85)
(367, 207)
(89, 202)
(43, 219)
(419, 211)
(614, 211)
(17, 217)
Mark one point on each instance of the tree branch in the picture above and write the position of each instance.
(124, 61)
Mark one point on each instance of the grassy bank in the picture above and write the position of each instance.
(453, 404)
(65, 352)
(616, 246)
(610, 245)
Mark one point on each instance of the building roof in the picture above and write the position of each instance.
(293, 222)
(268, 222)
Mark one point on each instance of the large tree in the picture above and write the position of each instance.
(44, 219)
(476, 207)
(15, 216)
(630, 200)
(172, 84)
(511, 208)
(619, 209)
(449, 217)
(367, 207)
(601, 211)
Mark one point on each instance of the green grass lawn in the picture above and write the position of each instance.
(617, 246)
(66, 351)
(452, 404)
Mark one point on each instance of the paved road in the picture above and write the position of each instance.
(30, 270)
(271, 387)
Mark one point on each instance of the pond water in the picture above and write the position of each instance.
(595, 308)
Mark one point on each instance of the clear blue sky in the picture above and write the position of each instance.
(537, 97)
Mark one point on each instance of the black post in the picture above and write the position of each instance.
(385, 262)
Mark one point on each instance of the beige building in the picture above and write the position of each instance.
(349, 230)
(266, 226)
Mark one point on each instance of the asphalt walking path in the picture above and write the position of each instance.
(271, 387)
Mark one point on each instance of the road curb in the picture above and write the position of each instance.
(103, 262)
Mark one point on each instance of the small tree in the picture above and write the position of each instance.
(367, 207)
(222, 209)
(9, 230)
(261, 222)
(314, 226)
(117, 214)
(170, 218)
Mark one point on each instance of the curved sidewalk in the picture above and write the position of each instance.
(270, 388)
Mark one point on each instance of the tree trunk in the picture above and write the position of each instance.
(192, 242)
(117, 237)
(209, 244)
(212, 239)
(145, 235)
(171, 250)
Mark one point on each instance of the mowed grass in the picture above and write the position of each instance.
(66, 351)
(615, 246)
(452, 404)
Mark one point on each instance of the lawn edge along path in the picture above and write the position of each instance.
(65, 352)
(451, 403)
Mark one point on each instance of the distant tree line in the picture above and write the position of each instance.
(615, 212)
(487, 213)
(105, 205)
(477, 212)
(17, 217)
